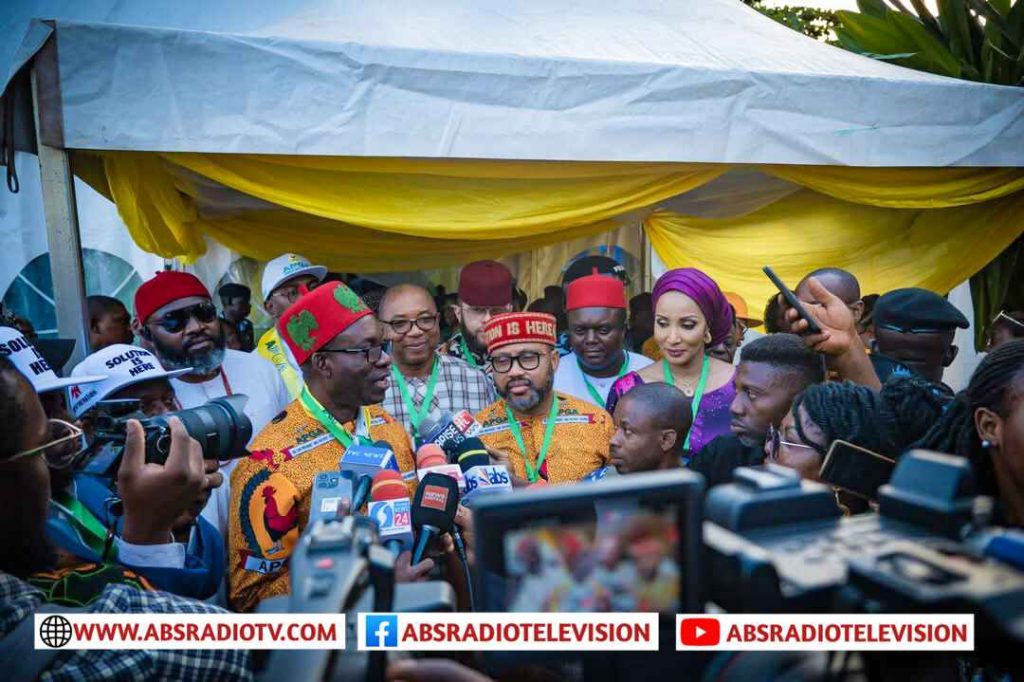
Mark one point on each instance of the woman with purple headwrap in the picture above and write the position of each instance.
(691, 314)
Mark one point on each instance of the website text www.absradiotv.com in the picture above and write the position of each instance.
(509, 632)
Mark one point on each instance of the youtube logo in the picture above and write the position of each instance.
(699, 632)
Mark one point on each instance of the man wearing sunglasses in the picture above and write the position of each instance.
(423, 381)
(485, 290)
(339, 345)
(29, 577)
(538, 433)
(284, 279)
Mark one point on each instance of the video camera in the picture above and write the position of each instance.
(775, 543)
(220, 426)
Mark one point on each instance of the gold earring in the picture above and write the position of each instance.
(707, 338)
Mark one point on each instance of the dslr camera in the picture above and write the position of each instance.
(221, 428)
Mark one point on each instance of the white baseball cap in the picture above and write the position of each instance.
(123, 365)
(30, 362)
(286, 266)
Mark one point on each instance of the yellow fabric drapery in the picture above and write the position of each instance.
(886, 248)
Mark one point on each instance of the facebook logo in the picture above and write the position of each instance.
(381, 631)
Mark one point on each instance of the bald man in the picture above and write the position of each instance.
(423, 381)
(839, 283)
(651, 422)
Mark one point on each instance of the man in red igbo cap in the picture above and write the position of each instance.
(595, 307)
(339, 346)
(538, 433)
(485, 290)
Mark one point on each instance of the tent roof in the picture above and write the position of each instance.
(635, 80)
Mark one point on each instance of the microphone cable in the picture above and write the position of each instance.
(460, 548)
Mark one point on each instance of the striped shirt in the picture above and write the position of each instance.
(459, 387)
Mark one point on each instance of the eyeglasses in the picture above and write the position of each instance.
(403, 327)
(503, 363)
(176, 320)
(775, 443)
(292, 293)
(373, 354)
(66, 441)
(1003, 316)
(486, 310)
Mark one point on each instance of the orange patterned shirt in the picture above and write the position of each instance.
(578, 447)
(271, 491)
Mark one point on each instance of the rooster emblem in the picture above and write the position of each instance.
(277, 524)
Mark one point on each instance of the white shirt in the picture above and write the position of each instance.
(249, 375)
(569, 377)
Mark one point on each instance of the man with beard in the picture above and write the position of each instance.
(27, 558)
(423, 381)
(485, 290)
(174, 312)
(773, 370)
(536, 432)
(339, 345)
(596, 310)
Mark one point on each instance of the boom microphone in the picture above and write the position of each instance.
(390, 508)
(482, 477)
(433, 510)
(431, 458)
(365, 462)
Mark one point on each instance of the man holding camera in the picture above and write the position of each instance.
(339, 345)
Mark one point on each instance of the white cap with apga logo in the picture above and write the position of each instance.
(30, 362)
(286, 266)
(124, 366)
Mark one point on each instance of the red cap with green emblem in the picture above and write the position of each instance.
(318, 316)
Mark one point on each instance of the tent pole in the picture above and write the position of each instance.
(62, 234)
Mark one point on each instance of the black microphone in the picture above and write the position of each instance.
(365, 462)
(433, 510)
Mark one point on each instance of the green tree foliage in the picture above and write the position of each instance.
(819, 24)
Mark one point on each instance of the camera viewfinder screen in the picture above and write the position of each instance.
(624, 559)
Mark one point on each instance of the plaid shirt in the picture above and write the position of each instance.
(19, 600)
(453, 348)
(459, 387)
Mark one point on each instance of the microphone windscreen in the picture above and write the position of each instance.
(437, 499)
(388, 485)
(430, 455)
(469, 460)
(471, 446)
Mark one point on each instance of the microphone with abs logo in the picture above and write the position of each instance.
(482, 477)
(365, 462)
(433, 510)
(391, 509)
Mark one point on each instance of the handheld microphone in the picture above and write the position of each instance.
(365, 461)
(595, 475)
(448, 430)
(332, 496)
(482, 477)
(430, 458)
(391, 509)
(433, 510)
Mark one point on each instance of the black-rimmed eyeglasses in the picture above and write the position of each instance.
(528, 361)
(403, 327)
(371, 353)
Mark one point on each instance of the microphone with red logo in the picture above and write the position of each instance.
(482, 477)
(433, 510)
(448, 430)
(390, 508)
(430, 458)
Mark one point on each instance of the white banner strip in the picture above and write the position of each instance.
(509, 631)
(825, 632)
(189, 631)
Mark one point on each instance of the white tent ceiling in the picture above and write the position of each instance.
(635, 80)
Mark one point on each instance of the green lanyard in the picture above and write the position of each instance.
(466, 354)
(697, 394)
(416, 416)
(531, 470)
(593, 391)
(89, 528)
(326, 419)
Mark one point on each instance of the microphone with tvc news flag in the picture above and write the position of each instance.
(448, 430)
(482, 477)
(430, 458)
(365, 462)
(433, 510)
(392, 511)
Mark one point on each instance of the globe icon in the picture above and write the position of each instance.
(55, 631)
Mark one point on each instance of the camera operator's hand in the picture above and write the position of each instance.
(405, 572)
(155, 495)
(214, 479)
(433, 670)
(464, 519)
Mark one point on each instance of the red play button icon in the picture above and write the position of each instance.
(699, 631)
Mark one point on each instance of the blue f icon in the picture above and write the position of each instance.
(381, 631)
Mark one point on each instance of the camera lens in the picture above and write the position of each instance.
(220, 426)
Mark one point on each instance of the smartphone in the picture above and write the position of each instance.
(856, 470)
(793, 301)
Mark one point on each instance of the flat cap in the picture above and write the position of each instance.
(917, 310)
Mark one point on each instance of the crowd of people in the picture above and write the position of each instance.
(578, 385)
